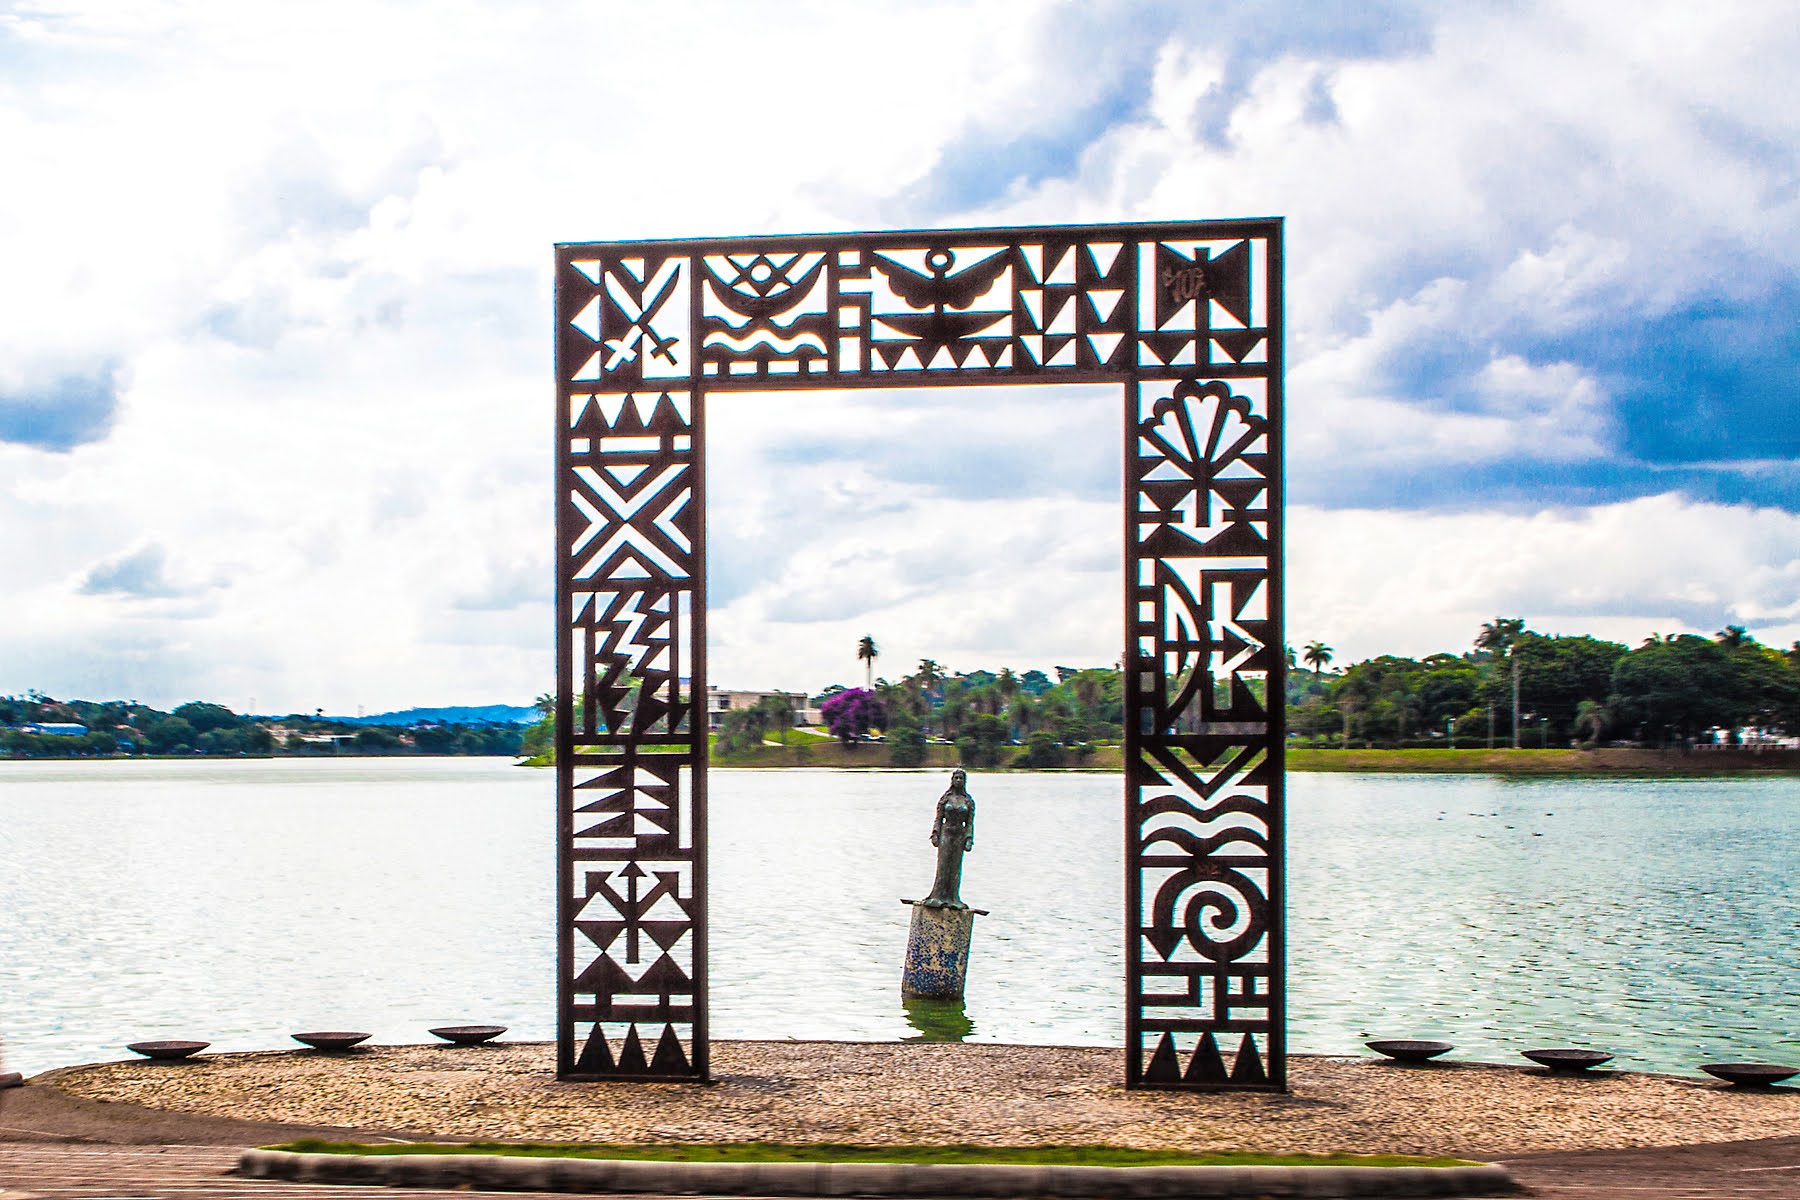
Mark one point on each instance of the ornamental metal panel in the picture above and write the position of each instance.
(1186, 319)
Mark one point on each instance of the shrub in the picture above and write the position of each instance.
(1041, 750)
(905, 742)
(975, 754)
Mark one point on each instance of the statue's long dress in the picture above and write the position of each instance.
(953, 836)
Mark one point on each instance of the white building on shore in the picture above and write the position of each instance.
(720, 701)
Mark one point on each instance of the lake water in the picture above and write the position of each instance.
(237, 902)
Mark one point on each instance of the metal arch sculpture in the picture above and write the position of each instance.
(1186, 317)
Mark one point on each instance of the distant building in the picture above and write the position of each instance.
(720, 701)
(55, 728)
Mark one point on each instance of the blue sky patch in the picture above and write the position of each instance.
(67, 412)
(139, 573)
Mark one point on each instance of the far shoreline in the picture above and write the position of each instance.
(1599, 762)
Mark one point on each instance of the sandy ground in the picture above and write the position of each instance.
(936, 1093)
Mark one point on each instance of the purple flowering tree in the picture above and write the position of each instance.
(852, 713)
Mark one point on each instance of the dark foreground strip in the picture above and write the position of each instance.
(506, 1173)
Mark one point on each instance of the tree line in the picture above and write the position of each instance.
(1517, 687)
(115, 728)
(992, 717)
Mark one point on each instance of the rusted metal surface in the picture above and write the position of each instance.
(1186, 319)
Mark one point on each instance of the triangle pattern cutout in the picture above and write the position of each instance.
(1206, 1066)
(1248, 1068)
(631, 1057)
(1163, 1066)
(669, 1059)
(596, 1057)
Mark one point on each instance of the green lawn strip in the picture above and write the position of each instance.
(1590, 763)
(829, 1152)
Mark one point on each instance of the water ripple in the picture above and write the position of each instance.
(236, 902)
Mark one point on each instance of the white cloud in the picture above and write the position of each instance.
(834, 515)
(311, 246)
(1536, 169)
(1372, 582)
(1020, 583)
(1345, 420)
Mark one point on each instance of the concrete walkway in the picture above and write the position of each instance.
(99, 1171)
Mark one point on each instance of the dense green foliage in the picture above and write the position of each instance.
(1571, 690)
(746, 728)
(117, 727)
(998, 718)
(1670, 691)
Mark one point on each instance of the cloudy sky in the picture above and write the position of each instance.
(276, 414)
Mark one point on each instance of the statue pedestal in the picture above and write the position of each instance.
(937, 952)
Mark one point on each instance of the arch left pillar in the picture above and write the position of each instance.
(631, 622)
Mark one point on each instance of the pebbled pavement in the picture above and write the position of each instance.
(53, 1145)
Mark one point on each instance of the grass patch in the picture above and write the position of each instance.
(831, 1152)
(1483, 761)
(1604, 761)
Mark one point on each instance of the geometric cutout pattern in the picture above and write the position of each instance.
(631, 813)
(1186, 318)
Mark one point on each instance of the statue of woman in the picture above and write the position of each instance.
(953, 833)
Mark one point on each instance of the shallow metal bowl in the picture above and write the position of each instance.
(1567, 1059)
(468, 1035)
(1750, 1074)
(167, 1051)
(330, 1041)
(1405, 1050)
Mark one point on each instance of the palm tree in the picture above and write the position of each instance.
(1006, 687)
(867, 652)
(927, 677)
(1025, 715)
(1732, 636)
(954, 710)
(1501, 637)
(1087, 691)
(894, 697)
(778, 710)
(1317, 655)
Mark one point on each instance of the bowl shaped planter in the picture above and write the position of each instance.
(1408, 1051)
(1567, 1059)
(330, 1041)
(167, 1051)
(1750, 1074)
(468, 1035)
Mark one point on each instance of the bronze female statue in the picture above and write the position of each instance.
(953, 833)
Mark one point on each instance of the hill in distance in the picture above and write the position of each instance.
(498, 714)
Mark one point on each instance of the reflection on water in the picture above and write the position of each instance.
(237, 902)
(936, 1020)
